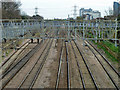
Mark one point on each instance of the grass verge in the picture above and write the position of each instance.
(111, 47)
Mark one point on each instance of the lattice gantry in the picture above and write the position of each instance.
(63, 29)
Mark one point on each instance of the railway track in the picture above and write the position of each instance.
(8, 62)
(64, 74)
(7, 76)
(58, 85)
(17, 49)
(31, 76)
(62, 63)
(89, 44)
(14, 53)
(101, 63)
(105, 59)
(59, 67)
(110, 71)
(17, 67)
(63, 80)
(67, 59)
(81, 75)
(7, 65)
(87, 66)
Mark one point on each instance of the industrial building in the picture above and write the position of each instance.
(116, 8)
(89, 14)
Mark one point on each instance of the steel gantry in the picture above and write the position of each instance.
(61, 29)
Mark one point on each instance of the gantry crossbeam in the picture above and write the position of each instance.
(35, 29)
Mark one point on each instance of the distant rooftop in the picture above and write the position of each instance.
(89, 10)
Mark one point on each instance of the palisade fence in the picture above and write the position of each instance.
(61, 29)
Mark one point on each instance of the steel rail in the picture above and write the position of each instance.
(59, 67)
(68, 80)
(23, 61)
(40, 68)
(103, 68)
(32, 67)
(13, 54)
(105, 60)
(87, 66)
(81, 76)
(9, 66)
(7, 71)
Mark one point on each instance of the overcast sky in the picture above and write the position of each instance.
(61, 8)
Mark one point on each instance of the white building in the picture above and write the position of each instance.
(90, 13)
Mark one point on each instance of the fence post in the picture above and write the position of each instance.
(80, 29)
(116, 33)
(1, 41)
(68, 30)
(99, 29)
(102, 29)
(83, 34)
(43, 33)
(23, 31)
(96, 31)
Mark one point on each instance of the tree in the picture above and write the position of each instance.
(118, 27)
(24, 15)
(119, 17)
(79, 18)
(37, 17)
(11, 10)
